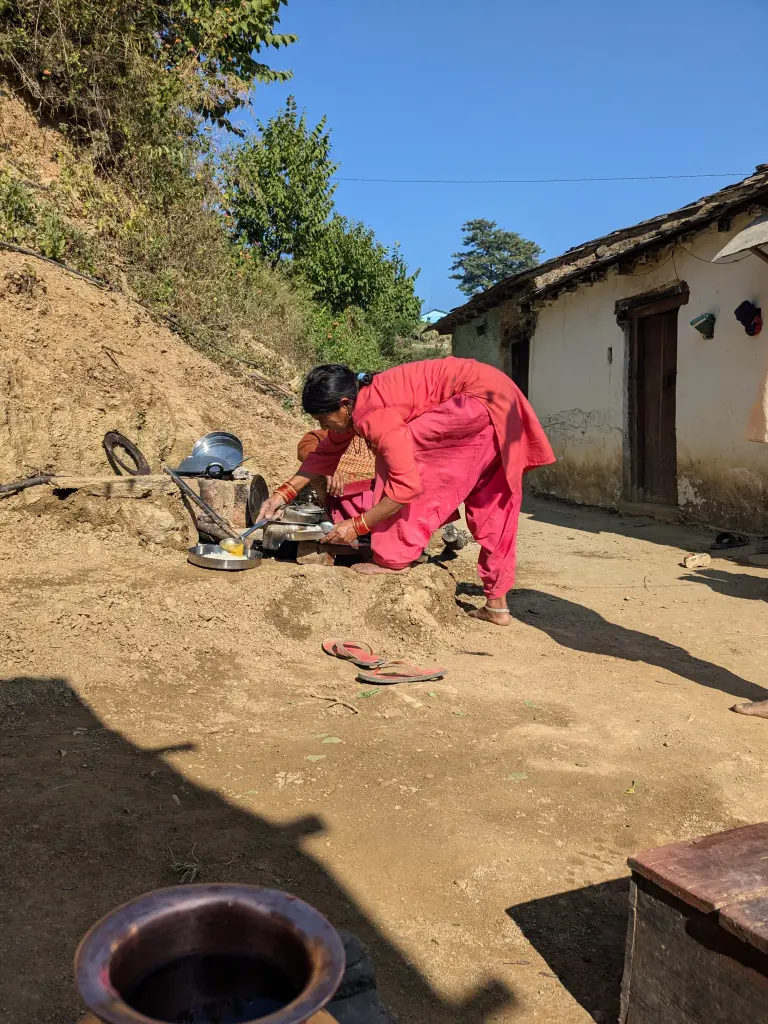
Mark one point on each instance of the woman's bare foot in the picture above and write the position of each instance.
(371, 569)
(498, 616)
(756, 708)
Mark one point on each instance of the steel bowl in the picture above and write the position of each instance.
(215, 454)
(205, 555)
(210, 952)
(221, 445)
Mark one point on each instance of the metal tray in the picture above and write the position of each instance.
(201, 554)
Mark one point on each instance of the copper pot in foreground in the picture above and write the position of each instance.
(210, 954)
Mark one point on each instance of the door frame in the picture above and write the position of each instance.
(628, 312)
(523, 340)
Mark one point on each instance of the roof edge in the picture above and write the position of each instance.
(693, 217)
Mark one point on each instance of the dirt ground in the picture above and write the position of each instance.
(472, 832)
(76, 362)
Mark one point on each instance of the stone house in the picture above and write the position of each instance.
(643, 408)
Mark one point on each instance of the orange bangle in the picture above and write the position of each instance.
(288, 492)
(362, 529)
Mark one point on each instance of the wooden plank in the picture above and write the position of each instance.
(708, 873)
(675, 979)
(748, 921)
(662, 305)
(114, 486)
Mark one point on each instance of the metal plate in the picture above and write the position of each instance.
(317, 532)
(202, 555)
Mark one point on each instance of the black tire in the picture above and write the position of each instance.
(114, 440)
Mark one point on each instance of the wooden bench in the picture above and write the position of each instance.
(697, 944)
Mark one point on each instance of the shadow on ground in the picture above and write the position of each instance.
(595, 520)
(582, 629)
(582, 934)
(88, 821)
(731, 584)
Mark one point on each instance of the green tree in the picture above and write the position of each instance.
(491, 254)
(278, 186)
(349, 268)
(124, 75)
(225, 37)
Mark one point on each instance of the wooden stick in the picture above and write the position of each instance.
(20, 485)
(193, 496)
(334, 701)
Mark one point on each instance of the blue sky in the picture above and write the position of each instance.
(521, 89)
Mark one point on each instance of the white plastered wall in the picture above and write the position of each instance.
(479, 339)
(579, 390)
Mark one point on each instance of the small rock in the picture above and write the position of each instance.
(697, 561)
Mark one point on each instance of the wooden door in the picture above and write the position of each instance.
(655, 441)
(519, 363)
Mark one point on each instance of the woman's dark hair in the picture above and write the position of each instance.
(327, 385)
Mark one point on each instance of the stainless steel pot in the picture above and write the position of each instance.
(303, 515)
(209, 953)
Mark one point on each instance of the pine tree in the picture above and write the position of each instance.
(491, 254)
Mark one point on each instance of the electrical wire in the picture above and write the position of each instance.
(647, 272)
(537, 181)
(702, 260)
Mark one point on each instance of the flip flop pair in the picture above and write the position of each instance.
(374, 668)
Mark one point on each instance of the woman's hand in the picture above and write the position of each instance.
(342, 533)
(335, 485)
(272, 508)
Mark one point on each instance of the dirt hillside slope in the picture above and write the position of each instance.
(27, 147)
(76, 361)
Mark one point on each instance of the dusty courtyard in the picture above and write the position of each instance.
(473, 832)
